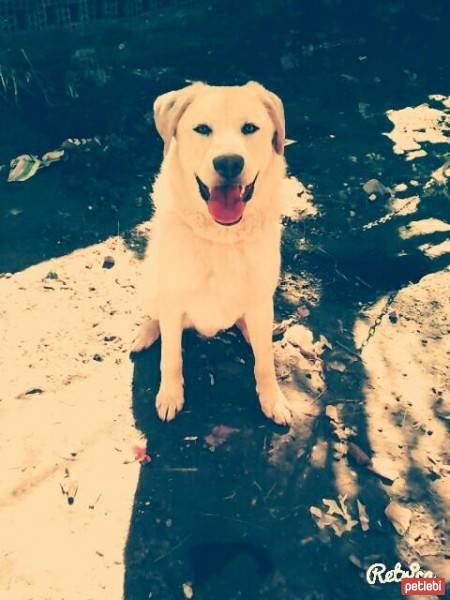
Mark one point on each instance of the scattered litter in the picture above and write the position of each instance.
(335, 365)
(337, 516)
(288, 142)
(375, 187)
(331, 412)
(140, 454)
(98, 357)
(363, 516)
(399, 516)
(187, 590)
(51, 275)
(52, 156)
(340, 430)
(301, 337)
(219, 435)
(190, 438)
(23, 167)
(108, 262)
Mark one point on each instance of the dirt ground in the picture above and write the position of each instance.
(98, 499)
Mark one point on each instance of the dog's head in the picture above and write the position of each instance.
(224, 140)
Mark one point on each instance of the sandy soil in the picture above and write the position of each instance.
(66, 421)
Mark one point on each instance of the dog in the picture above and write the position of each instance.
(213, 257)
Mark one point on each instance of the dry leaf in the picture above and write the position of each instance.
(219, 435)
(355, 561)
(383, 467)
(331, 412)
(325, 343)
(187, 590)
(335, 365)
(363, 516)
(299, 335)
(140, 454)
(337, 516)
(280, 328)
(399, 516)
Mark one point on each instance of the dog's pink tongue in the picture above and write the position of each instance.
(225, 204)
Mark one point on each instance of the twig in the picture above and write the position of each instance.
(38, 80)
(172, 550)
(349, 350)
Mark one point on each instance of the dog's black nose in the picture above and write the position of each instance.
(228, 165)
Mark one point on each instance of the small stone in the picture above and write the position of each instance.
(372, 197)
(108, 262)
(98, 357)
(393, 317)
(400, 187)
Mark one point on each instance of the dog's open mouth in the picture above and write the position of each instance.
(226, 203)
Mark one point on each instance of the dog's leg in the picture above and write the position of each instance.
(259, 321)
(242, 326)
(148, 333)
(170, 399)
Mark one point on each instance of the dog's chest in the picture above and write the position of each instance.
(217, 294)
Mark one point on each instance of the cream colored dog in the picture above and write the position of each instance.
(214, 252)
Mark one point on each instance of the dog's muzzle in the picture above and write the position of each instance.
(226, 203)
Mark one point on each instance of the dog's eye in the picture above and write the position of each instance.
(203, 129)
(249, 128)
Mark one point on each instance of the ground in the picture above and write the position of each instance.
(98, 498)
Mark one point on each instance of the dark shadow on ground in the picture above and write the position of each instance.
(235, 522)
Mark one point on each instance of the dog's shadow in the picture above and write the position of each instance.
(197, 509)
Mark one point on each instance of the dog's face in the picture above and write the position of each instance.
(226, 138)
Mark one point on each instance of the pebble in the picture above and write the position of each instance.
(108, 262)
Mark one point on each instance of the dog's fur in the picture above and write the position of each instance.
(203, 274)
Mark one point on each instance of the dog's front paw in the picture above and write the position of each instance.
(169, 402)
(275, 406)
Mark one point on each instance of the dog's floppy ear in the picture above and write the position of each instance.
(169, 108)
(275, 109)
